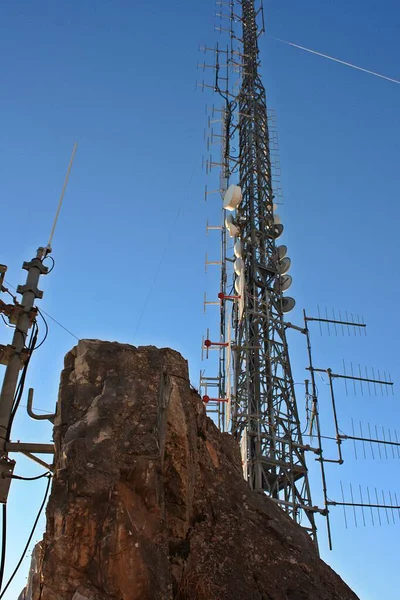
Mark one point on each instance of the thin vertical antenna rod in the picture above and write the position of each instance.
(48, 248)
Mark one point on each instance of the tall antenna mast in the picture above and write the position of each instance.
(264, 407)
(256, 388)
(253, 394)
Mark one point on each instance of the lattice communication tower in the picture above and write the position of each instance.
(256, 397)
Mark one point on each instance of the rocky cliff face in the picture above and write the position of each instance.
(148, 500)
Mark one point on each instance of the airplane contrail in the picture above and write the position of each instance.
(342, 62)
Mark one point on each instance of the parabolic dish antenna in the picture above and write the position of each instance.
(231, 226)
(241, 304)
(233, 197)
(238, 249)
(275, 232)
(238, 265)
(238, 285)
(287, 304)
(284, 265)
(282, 251)
(283, 283)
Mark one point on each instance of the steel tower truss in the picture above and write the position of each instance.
(256, 394)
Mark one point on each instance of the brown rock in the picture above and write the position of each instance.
(148, 500)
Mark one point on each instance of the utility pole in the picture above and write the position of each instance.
(16, 356)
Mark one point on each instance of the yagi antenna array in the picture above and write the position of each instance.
(340, 323)
(368, 505)
(381, 442)
(359, 380)
(366, 379)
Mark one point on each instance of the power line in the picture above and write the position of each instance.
(20, 478)
(5, 323)
(49, 316)
(163, 255)
(43, 410)
(46, 332)
(60, 325)
(53, 263)
(29, 538)
(21, 383)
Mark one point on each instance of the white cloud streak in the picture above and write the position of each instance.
(342, 62)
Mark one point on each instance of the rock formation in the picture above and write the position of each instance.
(148, 500)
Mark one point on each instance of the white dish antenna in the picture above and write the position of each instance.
(238, 249)
(283, 283)
(233, 197)
(287, 304)
(241, 305)
(238, 265)
(284, 265)
(238, 285)
(231, 226)
(277, 219)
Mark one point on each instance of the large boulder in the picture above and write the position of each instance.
(148, 500)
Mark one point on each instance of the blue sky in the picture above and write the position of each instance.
(121, 79)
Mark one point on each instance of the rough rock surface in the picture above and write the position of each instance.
(148, 500)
